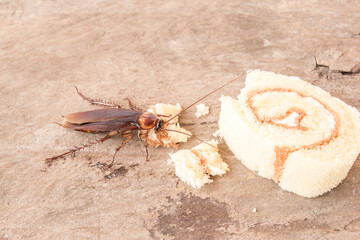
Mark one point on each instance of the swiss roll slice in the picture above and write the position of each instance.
(290, 131)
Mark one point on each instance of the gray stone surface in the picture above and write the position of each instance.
(171, 52)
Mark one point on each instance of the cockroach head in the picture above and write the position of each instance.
(159, 124)
(148, 120)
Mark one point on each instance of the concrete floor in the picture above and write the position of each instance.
(171, 52)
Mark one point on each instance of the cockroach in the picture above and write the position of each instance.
(116, 120)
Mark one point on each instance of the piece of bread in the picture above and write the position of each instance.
(292, 132)
(163, 138)
(195, 166)
(201, 110)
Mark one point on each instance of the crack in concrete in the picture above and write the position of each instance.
(325, 70)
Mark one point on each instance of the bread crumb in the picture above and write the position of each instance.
(163, 138)
(195, 166)
(254, 210)
(216, 134)
(222, 98)
(201, 110)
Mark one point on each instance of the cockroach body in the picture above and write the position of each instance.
(114, 120)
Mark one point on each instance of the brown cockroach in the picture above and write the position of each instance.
(116, 120)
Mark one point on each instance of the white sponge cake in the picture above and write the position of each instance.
(195, 166)
(292, 132)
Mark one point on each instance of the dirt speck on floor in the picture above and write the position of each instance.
(192, 217)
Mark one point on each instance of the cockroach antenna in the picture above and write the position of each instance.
(233, 80)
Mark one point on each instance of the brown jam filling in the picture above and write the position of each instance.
(282, 152)
(203, 161)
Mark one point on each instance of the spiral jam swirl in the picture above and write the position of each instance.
(282, 152)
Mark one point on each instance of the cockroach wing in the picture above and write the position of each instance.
(101, 115)
(102, 126)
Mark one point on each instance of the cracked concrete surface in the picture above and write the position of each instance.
(150, 52)
(343, 57)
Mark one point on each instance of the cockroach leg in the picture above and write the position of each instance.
(97, 102)
(130, 136)
(49, 161)
(147, 152)
(132, 106)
